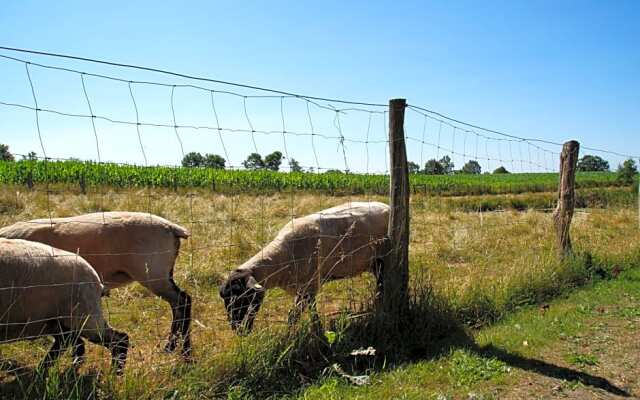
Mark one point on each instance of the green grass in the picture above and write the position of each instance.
(496, 358)
(93, 174)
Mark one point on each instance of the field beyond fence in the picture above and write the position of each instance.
(93, 174)
(463, 248)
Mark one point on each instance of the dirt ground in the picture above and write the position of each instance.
(612, 338)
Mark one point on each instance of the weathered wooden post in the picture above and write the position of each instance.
(82, 182)
(566, 196)
(29, 180)
(396, 268)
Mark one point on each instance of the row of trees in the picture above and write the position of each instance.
(254, 161)
(445, 166)
(5, 154)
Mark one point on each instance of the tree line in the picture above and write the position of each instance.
(254, 161)
(445, 166)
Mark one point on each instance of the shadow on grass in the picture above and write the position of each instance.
(551, 370)
(458, 338)
(427, 330)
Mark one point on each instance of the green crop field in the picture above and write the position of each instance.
(116, 175)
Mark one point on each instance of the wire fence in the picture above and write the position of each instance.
(99, 137)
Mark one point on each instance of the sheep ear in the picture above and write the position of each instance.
(253, 284)
(230, 287)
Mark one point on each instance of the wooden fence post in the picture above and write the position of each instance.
(82, 182)
(30, 180)
(566, 196)
(396, 268)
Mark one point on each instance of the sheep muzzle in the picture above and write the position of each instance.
(242, 300)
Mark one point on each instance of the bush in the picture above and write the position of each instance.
(627, 172)
(592, 163)
(472, 167)
(5, 155)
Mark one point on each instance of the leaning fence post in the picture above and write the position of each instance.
(566, 196)
(396, 269)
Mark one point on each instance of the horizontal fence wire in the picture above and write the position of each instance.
(100, 129)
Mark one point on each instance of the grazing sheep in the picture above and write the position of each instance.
(47, 291)
(336, 243)
(122, 247)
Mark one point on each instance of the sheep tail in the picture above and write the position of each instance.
(179, 231)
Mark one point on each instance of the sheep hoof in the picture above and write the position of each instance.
(170, 347)
(187, 357)
(78, 361)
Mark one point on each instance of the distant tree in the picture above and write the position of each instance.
(447, 165)
(294, 166)
(433, 167)
(32, 156)
(192, 159)
(272, 161)
(311, 170)
(500, 170)
(254, 161)
(627, 171)
(592, 163)
(413, 167)
(5, 155)
(214, 161)
(472, 167)
(333, 171)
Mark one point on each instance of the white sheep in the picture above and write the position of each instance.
(335, 243)
(47, 291)
(122, 247)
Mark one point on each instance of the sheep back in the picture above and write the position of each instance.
(335, 243)
(119, 245)
(43, 289)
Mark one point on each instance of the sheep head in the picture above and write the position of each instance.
(242, 296)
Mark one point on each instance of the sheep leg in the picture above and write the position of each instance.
(117, 342)
(378, 272)
(78, 351)
(180, 303)
(301, 302)
(61, 342)
(315, 316)
(184, 325)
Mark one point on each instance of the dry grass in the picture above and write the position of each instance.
(484, 264)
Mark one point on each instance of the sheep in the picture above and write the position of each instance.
(336, 243)
(122, 247)
(47, 291)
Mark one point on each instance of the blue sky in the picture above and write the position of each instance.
(549, 70)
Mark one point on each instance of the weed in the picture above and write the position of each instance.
(466, 369)
(582, 360)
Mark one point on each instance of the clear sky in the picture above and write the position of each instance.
(553, 70)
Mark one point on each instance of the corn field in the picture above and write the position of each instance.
(29, 172)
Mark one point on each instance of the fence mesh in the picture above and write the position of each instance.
(234, 164)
